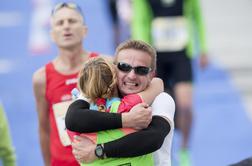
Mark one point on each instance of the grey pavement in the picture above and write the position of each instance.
(229, 36)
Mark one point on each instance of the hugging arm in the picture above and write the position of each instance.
(80, 119)
(140, 143)
(154, 89)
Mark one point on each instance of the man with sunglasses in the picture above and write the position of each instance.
(136, 64)
(53, 83)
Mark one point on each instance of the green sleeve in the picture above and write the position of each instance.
(6, 150)
(141, 22)
(199, 25)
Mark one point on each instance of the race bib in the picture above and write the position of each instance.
(169, 33)
(167, 3)
(59, 111)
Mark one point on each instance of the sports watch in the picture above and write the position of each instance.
(99, 151)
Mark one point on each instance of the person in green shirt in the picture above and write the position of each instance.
(175, 28)
(7, 155)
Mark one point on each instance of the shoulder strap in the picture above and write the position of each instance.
(49, 66)
(114, 107)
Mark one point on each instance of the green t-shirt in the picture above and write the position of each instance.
(110, 135)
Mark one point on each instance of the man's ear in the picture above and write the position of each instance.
(153, 74)
(84, 31)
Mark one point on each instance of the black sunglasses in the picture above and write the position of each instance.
(139, 70)
(70, 5)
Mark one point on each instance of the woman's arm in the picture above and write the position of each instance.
(80, 119)
(154, 89)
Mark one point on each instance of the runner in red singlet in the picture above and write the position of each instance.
(53, 83)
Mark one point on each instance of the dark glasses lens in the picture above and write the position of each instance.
(69, 5)
(140, 70)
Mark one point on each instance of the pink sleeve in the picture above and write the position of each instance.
(128, 102)
(71, 134)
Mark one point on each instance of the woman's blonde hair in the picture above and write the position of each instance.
(97, 79)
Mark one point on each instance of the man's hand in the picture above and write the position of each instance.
(203, 61)
(83, 149)
(138, 118)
